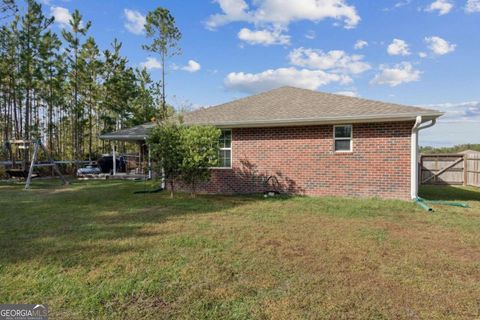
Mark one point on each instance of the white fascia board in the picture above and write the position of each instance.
(326, 120)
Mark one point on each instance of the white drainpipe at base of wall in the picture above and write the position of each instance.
(414, 154)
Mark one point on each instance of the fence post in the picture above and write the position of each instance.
(465, 173)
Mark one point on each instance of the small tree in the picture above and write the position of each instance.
(200, 153)
(164, 142)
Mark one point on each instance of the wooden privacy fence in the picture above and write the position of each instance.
(473, 170)
(453, 169)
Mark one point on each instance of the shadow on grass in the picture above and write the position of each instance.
(90, 220)
(450, 193)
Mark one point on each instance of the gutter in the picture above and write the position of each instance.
(282, 123)
(414, 153)
(314, 121)
(122, 137)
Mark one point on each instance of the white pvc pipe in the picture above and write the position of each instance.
(414, 159)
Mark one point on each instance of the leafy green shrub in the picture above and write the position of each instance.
(200, 153)
(184, 152)
(3, 172)
(165, 148)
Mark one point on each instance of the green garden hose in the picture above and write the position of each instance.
(423, 203)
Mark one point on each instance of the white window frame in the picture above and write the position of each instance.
(335, 138)
(227, 149)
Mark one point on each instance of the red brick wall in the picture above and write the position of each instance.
(304, 162)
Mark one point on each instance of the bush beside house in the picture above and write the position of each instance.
(184, 153)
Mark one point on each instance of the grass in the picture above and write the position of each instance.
(94, 250)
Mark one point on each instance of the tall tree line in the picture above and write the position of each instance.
(62, 88)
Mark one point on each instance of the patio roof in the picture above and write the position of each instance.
(134, 134)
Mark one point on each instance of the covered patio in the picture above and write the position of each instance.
(131, 165)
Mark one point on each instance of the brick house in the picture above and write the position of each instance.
(313, 143)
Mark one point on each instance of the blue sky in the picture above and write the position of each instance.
(415, 52)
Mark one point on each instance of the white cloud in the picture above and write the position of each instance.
(402, 3)
(151, 64)
(135, 21)
(310, 35)
(472, 6)
(192, 66)
(311, 69)
(463, 111)
(62, 16)
(442, 6)
(347, 93)
(422, 54)
(360, 44)
(336, 61)
(460, 120)
(283, 12)
(263, 37)
(398, 4)
(233, 10)
(439, 46)
(398, 47)
(274, 78)
(396, 75)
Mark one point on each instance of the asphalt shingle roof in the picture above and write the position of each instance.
(289, 106)
(138, 133)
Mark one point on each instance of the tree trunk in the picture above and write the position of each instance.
(90, 125)
(164, 102)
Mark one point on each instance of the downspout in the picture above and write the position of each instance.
(414, 154)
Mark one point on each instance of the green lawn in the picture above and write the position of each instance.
(94, 250)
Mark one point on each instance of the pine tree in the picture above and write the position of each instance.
(144, 105)
(7, 8)
(34, 23)
(119, 87)
(160, 27)
(79, 29)
(68, 97)
(89, 73)
(49, 57)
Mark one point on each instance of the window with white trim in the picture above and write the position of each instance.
(225, 149)
(342, 138)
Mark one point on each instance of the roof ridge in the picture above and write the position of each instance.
(331, 94)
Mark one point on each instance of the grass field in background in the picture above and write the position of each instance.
(94, 250)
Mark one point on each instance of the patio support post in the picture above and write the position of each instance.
(114, 160)
(163, 178)
(149, 164)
